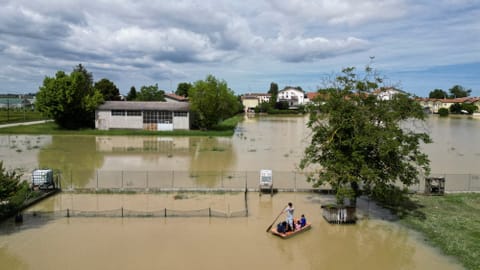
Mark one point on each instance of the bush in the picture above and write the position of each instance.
(443, 112)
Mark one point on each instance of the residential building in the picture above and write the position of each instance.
(293, 96)
(434, 104)
(252, 100)
(387, 93)
(146, 115)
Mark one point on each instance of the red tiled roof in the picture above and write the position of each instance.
(176, 97)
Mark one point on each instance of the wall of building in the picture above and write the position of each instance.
(104, 120)
(181, 122)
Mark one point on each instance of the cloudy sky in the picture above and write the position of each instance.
(418, 45)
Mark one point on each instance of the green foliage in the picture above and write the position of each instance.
(132, 94)
(456, 108)
(183, 88)
(150, 93)
(443, 112)
(108, 89)
(8, 183)
(459, 108)
(69, 99)
(211, 101)
(274, 94)
(282, 105)
(10, 187)
(450, 222)
(263, 107)
(17, 116)
(458, 91)
(470, 108)
(357, 138)
(438, 93)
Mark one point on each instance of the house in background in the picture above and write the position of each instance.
(293, 96)
(252, 100)
(387, 93)
(146, 115)
(172, 97)
(434, 104)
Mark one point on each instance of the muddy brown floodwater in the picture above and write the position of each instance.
(208, 243)
(275, 143)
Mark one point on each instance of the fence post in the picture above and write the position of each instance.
(68, 212)
(294, 181)
(246, 178)
(469, 181)
(146, 180)
(121, 186)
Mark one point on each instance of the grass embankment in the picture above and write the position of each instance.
(226, 128)
(450, 222)
(17, 116)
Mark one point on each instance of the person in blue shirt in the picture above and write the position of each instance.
(303, 221)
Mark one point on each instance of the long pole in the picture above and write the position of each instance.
(269, 227)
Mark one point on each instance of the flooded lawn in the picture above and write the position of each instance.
(207, 243)
(275, 143)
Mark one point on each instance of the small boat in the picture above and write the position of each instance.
(286, 235)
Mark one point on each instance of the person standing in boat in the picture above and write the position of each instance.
(289, 211)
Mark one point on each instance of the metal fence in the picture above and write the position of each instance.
(127, 180)
(180, 180)
(123, 212)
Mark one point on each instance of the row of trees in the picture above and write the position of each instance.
(457, 91)
(71, 99)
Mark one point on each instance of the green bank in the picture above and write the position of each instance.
(225, 128)
(451, 223)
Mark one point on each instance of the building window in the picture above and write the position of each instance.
(165, 117)
(134, 113)
(180, 114)
(118, 112)
(154, 117)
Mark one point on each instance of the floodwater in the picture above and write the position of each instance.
(207, 243)
(275, 143)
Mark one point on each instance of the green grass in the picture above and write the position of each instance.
(226, 128)
(450, 222)
(18, 116)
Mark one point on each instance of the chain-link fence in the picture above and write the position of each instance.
(123, 213)
(128, 180)
(180, 180)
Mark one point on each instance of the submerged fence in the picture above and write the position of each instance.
(179, 180)
(124, 180)
(124, 213)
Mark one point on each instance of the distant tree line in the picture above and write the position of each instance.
(457, 91)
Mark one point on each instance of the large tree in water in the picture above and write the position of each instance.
(360, 140)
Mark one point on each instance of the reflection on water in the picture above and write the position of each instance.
(275, 143)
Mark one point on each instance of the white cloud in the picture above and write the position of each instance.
(135, 41)
(301, 49)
